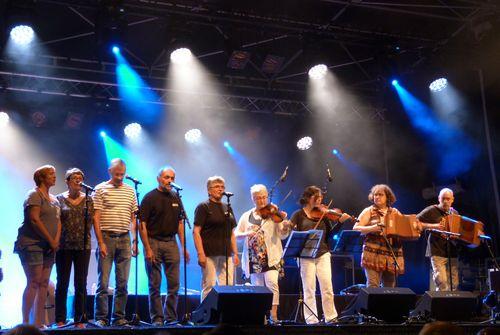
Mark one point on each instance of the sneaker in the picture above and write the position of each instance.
(171, 323)
(119, 323)
(101, 323)
(157, 323)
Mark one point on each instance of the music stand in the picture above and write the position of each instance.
(302, 244)
(349, 244)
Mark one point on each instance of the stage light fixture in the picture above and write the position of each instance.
(193, 135)
(438, 85)
(335, 152)
(226, 144)
(181, 56)
(394, 82)
(304, 143)
(318, 71)
(4, 119)
(22, 34)
(103, 134)
(132, 130)
(115, 49)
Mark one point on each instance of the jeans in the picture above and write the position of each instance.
(215, 272)
(64, 260)
(167, 255)
(268, 279)
(119, 253)
(320, 267)
(440, 273)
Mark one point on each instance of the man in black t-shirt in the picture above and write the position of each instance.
(438, 248)
(160, 222)
(213, 235)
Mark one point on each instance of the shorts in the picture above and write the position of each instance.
(36, 257)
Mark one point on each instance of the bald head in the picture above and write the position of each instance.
(446, 199)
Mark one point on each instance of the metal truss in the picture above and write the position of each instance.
(62, 86)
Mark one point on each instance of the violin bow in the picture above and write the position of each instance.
(323, 215)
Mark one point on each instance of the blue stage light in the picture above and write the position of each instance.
(115, 49)
(394, 82)
(335, 152)
(102, 133)
(226, 144)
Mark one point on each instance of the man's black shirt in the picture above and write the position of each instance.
(161, 211)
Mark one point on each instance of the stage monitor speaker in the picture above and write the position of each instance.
(235, 305)
(447, 305)
(384, 303)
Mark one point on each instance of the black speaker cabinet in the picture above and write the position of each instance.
(241, 305)
(447, 305)
(384, 303)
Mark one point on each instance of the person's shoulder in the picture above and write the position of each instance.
(366, 209)
(247, 213)
(152, 193)
(297, 213)
(32, 193)
(127, 187)
(102, 185)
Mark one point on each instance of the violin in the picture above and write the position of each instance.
(322, 211)
(272, 211)
(335, 214)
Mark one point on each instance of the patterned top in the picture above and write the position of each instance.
(73, 222)
(117, 204)
(257, 250)
(376, 254)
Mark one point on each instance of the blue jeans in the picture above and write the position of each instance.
(166, 255)
(119, 253)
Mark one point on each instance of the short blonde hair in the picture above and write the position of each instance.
(214, 179)
(41, 173)
(117, 162)
(257, 188)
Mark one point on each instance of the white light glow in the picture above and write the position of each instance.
(181, 56)
(132, 130)
(4, 119)
(22, 34)
(304, 143)
(318, 71)
(193, 135)
(438, 85)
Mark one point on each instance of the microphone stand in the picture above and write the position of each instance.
(276, 183)
(447, 235)
(228, 238)
(136, 319)
(186, 318)
(393, 255)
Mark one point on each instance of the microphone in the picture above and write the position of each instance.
(228, 194)
(177, 187)
(284, 175)
(87, 187)
(485, 237)
(329, 174)
(132, 179)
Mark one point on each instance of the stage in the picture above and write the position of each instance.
(470, 328)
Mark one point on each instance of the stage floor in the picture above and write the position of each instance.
(470, 328)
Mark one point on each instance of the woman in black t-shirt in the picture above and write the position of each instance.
(318, 267)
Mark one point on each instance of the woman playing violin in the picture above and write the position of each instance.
(376, 258)
(320, 267)
(263, 227)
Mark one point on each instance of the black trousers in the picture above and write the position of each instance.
(64, 260)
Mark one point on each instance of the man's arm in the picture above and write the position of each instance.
(182, 239)
(103, 251)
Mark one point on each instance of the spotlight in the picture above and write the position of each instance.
(394, 82)
(335, 152)
(318, 71)
(438, 85)
(22, 34)
(193, 135)
(102, 133)
(226, 144)
(115, 49)
(4, 119)
(181, 56)
(304, 143)
(132, 130)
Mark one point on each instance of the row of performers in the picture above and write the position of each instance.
(54, 231)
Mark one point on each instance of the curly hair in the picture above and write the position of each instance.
(391, 198)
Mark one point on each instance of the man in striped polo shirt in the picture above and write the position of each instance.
(115, 208)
